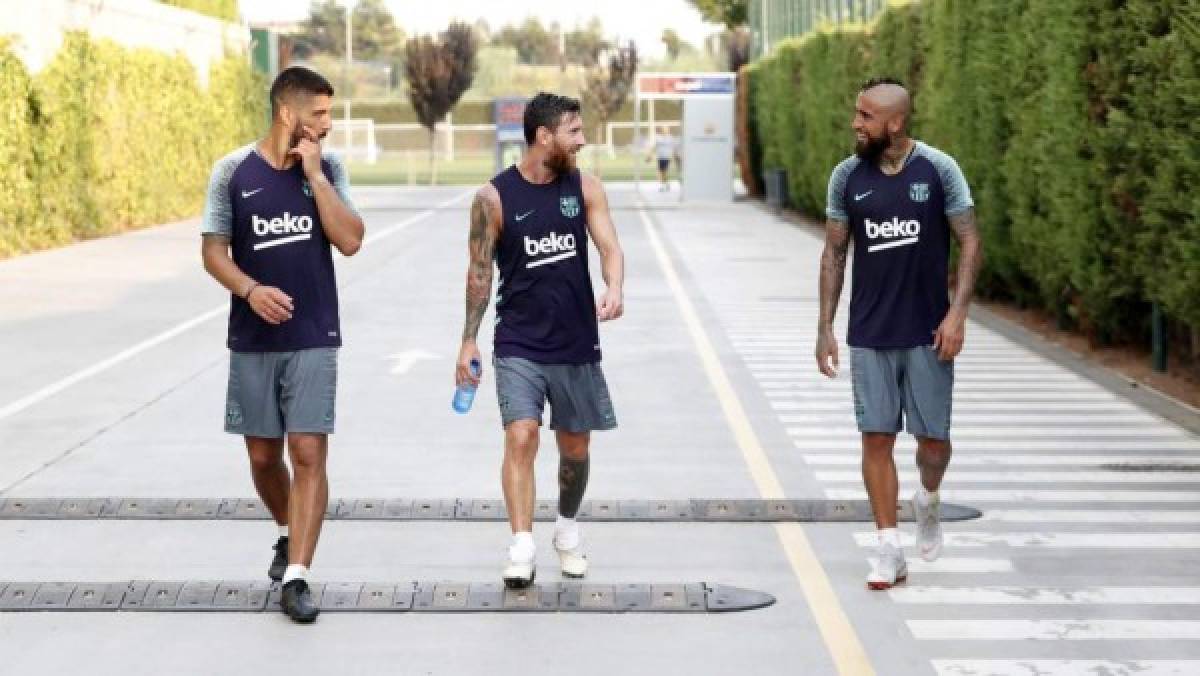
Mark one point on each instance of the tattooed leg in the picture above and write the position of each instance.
(573, 465)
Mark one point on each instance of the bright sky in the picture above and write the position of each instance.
(640, 20)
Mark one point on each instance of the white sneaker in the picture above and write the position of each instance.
(929, 527)
(572, 561)
(520, 571)
(888, 570)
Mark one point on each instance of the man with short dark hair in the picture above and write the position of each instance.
(533, 222)
(274, 208)
(900, 201)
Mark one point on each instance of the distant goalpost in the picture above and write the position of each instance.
(354, 140)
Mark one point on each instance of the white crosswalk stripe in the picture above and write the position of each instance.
(1017, 595)
(1052, 540)
(973, 495)
(962, 564)
(1190, 461)
(1036, 667)
(1055, 630)
(1003, 477)
(1106, 516)
(1037, 447)
(905, 443)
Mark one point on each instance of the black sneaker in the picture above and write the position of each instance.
(298, 602)
(279, 563)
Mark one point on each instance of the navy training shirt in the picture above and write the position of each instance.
(545, 305)
(271, 219)
(901, 232)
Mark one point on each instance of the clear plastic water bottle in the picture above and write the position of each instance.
(464, 395)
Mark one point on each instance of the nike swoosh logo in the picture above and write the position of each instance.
(521, 217)
(250, 193)
(859, 198)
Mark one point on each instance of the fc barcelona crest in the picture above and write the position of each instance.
(569, 206)
(918, 192)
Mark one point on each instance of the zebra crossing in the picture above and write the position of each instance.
(1064, 472)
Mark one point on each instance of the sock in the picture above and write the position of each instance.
(566, 533)
(295, 571)
(889, 536)
(925, 498)
(523, 548)
(283, 531)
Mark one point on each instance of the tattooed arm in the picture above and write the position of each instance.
(833, 274)
(948, 340)
(486, 223)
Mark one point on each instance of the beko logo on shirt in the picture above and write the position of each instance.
(297, 228)
(560, 246)
(910, 231)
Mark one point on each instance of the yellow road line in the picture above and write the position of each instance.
(839, 635)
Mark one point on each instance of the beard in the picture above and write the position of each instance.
(560, 161)
(872, 148)
(299, 135)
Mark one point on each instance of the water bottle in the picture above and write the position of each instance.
(464, 395)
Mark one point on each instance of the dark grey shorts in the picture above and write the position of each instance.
(578, 394)
(912, 382)
(273, 393)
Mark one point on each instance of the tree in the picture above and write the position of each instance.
(533, 42)
(730, 13)
(608, 86)
(585, 44)
(733, 14)
(735, 47)
(673, 42)
(438, 73)
(376, 35)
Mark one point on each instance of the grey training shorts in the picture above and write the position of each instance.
(909, 381)
(578, 394)
(275, 393)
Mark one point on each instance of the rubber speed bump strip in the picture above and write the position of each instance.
(434, 597)
(404, 509)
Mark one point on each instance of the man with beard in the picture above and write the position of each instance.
(278, 205)
(533, 221)
(899, 200)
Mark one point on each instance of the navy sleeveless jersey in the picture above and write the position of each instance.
(901, 233)
(276, 238)
(545, 305)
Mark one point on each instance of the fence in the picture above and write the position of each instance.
(775, 20)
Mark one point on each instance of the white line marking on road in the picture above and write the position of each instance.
(1055, 630)
(81, 375)
(1032, 667)
(1015, 595)
(1050, 540)
(970, 495)
(1063, 477)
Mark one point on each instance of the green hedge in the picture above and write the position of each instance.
(107, 138)
(1073, 121)
(20, 222)
(221, 9)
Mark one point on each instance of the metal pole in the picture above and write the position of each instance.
(349, 61)
(637, 136)
(766, 35)
(1158, 338)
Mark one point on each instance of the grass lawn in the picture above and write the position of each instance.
(470, 169)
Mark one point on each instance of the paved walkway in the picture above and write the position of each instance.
(1084, 562)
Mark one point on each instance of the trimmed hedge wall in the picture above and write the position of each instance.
(1074, 121)
(220, 9)
(107, 138)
